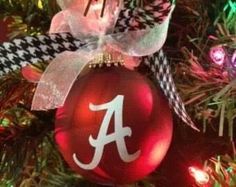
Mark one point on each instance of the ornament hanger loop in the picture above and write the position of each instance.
(89, 4)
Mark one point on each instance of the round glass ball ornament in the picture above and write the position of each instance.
(115, 126)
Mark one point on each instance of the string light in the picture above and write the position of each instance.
(201, 177)
(231, 5)
(233, 61)
(218, 55)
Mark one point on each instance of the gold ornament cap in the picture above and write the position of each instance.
(107, 59)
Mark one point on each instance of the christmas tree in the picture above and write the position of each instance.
(200, 49)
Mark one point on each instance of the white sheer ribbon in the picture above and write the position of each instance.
(61, 73)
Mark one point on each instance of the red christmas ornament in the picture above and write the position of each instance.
(115, 126)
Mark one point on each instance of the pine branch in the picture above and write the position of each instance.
(29, 17)
(209, 87)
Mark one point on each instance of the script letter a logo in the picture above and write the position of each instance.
(115, 107)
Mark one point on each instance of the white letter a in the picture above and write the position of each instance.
(114, 107)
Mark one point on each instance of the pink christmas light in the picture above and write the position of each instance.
(233, 61)
(218, 55)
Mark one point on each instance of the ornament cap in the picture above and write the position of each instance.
(107, 59)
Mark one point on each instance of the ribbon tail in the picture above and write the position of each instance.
(159, 65)
(142, 42)
(58, 78)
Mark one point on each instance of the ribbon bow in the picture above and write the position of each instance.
(137, 32)
(61, 73)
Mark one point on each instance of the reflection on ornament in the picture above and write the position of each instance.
(233, 61)
(201, 177)
(217, 55)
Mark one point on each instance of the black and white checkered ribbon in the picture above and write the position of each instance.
(159, 65)
(33, 49)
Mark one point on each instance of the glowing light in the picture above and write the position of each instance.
(218, 55)
(231, 5)
(40, 4)
(201, 177)
(233, 61)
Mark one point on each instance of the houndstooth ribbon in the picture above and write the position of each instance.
(31, 50)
